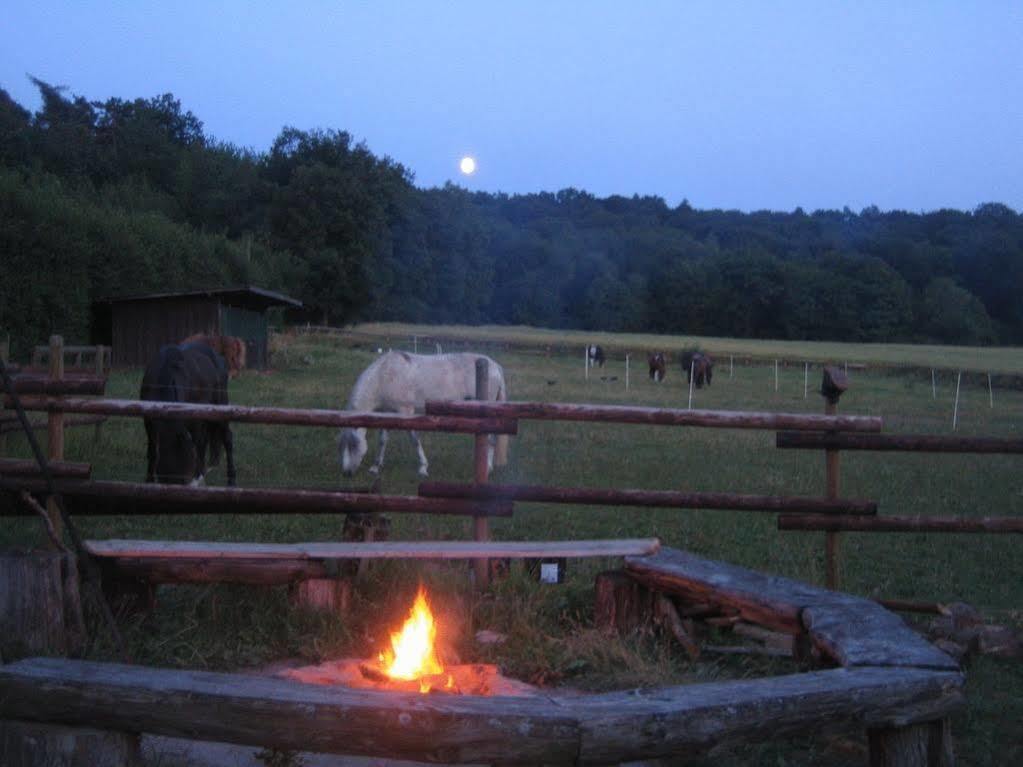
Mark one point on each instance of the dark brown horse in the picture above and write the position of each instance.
(698, 367)
(176, 449)
(230, 348)
(658, 366)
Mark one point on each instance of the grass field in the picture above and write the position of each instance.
(550, 636)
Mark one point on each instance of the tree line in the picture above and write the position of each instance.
(119, 197)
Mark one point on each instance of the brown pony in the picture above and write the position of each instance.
(230, 348)
(658, 366)
(698, 366)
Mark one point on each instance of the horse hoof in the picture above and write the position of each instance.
(423, 472)
(374, 469)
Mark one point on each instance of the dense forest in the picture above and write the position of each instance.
(122, 197)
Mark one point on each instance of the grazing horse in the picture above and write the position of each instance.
(698, 366)
(230, 348)
(176, 449)
(595, 354)
(658, 366)
(399, 382)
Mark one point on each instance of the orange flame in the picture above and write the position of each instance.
(412, 649)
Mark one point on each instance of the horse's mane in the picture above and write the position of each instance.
(232, 349)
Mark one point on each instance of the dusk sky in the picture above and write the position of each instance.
(911, 105)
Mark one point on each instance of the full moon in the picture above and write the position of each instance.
(467, 165)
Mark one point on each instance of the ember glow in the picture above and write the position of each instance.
(412, 653)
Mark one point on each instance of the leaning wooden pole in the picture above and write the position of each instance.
(55, 434)
(481, 471)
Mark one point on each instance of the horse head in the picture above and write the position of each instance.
(351, 449)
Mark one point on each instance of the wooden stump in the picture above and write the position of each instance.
(40, 611)
(623, 605)
(32, 744)
(332, 595)
(919, 745)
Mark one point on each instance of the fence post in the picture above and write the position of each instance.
(955, 408)
(731, 365)
(776, 375)
(692, 369)
(586, 361)
(5, 355)
(934, 390)
(481, 525)
(626, 372)
(97, 433)
(806, 378)
(834, 382)
(990, 393)
(55, 431)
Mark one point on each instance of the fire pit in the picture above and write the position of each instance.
(411, 664)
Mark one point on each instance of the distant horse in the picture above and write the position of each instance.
(658, 366)
(230, 348)
(698, 366)
(595, 354)
(176, 449)
(399, 382)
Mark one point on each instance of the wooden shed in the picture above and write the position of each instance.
(136, 327)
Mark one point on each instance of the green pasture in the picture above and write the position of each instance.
(551, 640)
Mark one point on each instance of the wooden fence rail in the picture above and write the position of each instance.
(721, 419)
(269, 415)
(96, 498)
(886, 524)
(918, 443)
(647, 498)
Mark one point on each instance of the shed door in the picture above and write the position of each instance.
(250, 326)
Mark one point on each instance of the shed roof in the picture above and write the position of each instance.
(244, 296)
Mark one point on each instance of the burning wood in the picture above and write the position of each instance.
(411, 664)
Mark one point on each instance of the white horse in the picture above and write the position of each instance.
(398, 382)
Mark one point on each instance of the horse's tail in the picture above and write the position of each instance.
(501, 448)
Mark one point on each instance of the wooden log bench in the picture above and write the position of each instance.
(849, 631)
(551, 729)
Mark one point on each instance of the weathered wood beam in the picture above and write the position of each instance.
(586, 730)
(923, 443)
(23, 467)
(722, 419)
(652, 498)
(95, 498)
(887, 524)
(254, 572)
(270, 415)
(850, 630)
(635, 547)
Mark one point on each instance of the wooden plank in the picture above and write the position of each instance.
(637, 547)
(595, 729)
(270, 415)
(25, 467)
(894, 524)
(288, 715)
(100, 497)
(253, 572)
(722, 419)
(683, 721)
(925, 443)
(646, 498)
(862, 633)
(851, 630)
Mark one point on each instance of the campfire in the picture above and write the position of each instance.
(411, 664)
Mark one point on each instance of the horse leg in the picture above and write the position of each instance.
(376, 467)
(423, 465)
(200, 437)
